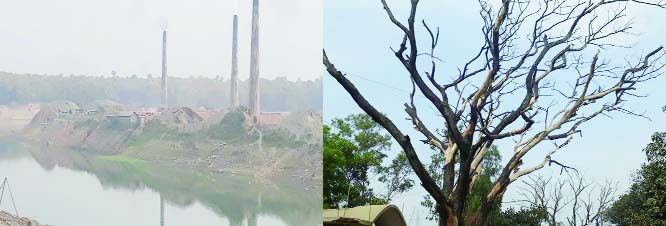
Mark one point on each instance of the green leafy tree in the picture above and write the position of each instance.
(396, 177)
(353, 146)
(645, 203)
(353, 149)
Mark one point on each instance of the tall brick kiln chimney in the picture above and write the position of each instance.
(254, 61)
(164, 70)
(233, 103)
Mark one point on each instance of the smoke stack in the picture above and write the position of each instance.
(254, 60)
(164, 70)
(234, 65)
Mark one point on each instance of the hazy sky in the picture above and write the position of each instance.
(358, 35)
(95, 37)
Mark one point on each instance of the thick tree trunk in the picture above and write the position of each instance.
(446, 217)
(482, 214)
(442, 218)
(487, 204)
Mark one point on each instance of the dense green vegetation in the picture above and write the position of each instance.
(233, 128)
(645, 202)
(277, 94)
(353, 148)
(279, 137)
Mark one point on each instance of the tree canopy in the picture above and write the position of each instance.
(354, 149)
(645, 202)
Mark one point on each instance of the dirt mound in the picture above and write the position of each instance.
(11, 220)
(50, 112)
(303, 124)
(106, 141)
(180, 116)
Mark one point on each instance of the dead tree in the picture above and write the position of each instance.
(537, 76)
(578, 201)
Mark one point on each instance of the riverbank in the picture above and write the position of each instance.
(7, 219)
(276, 145)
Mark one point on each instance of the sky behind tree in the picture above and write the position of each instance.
(96, 37)
(358, 37)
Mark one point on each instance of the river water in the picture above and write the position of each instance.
(67, 188)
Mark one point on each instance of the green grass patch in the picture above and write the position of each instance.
(122, 159)
(232, 129)
(155, 130)
(282, 138)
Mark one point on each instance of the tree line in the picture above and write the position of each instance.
(279, 94)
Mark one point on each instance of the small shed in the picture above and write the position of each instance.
(372, 215)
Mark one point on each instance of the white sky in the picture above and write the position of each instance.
(94, 37)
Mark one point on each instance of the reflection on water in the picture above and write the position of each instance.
(67, 188)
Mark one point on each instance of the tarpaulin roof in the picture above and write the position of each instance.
(379, 215)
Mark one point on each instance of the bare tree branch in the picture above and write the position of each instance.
(537, 76)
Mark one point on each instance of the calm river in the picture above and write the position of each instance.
(67, 188)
